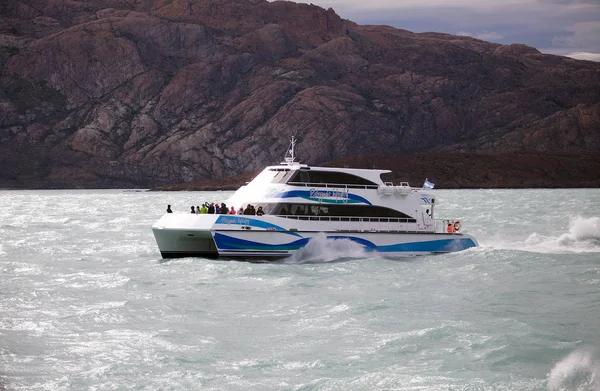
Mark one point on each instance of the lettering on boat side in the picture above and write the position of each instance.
(336, 194)
(233, 220)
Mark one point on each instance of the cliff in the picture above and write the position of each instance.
(111, 93)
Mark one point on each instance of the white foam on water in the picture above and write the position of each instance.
(578, 371)
(583, 236)
(320, 249)
(582, 231)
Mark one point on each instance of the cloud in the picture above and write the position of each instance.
(431, 4)
(586, 34)
(491, 36)
(584, 56)
(590, 2)
(552, 26)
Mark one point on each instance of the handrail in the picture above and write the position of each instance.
(327, 185)
(390, 185)
(431, 225)
(407, 225)
(349, 218)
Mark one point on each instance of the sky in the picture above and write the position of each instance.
(564, 27)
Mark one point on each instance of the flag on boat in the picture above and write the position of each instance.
(428, 185)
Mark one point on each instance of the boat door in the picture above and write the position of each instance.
(421, 220)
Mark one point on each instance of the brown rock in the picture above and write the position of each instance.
(147, 93)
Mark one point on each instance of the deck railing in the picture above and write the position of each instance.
(374, 223)
(334, 185)
(382, 223)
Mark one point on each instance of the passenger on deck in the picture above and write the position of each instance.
(197, 209)
(169, 209)
(283, 211)
(299, 211)
(223, 209)
(217, 208)
(450, 228)
(232, 211)
(193, 210)
(241, 210)
(211, 209)
(260, 211)
(203, 209)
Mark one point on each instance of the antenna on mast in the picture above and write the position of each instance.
(289, 155)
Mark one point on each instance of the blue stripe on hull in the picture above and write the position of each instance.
(251, 222)
(305, 194)
(441, 245)
(432, 246)
(225, 242)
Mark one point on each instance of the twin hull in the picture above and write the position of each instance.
(272, 237)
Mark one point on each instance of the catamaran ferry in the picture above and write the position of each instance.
(300, 202)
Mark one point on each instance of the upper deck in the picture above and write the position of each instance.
(304, 175)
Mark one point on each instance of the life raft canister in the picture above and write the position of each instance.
(457, 226)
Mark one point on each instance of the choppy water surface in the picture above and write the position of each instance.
(86, 303)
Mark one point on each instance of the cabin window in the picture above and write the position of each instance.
(280, 175)
(328, 177)
(374, 213)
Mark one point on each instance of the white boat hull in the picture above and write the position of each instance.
(271, 237)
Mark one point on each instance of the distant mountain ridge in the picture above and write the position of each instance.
(116, 93)
(455, 171)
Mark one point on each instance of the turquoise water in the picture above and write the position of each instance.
(86, 303)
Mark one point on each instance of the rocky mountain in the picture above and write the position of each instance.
(141, 93)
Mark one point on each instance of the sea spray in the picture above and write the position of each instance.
(582, 231)
(583, 236)
(578, 371)
(321, 249)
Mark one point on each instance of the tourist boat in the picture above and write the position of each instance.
(302, 202)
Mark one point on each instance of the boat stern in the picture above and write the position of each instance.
(182, 235)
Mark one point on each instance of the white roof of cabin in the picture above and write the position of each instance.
(372, 175)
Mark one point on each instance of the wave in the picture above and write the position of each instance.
(583, 236)
(578, 371)
(320, 249)
(582, 230)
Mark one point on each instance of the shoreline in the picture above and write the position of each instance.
(447, 170)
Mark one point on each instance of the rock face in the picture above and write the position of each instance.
(107, 93)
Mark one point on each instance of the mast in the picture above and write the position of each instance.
(289, 155)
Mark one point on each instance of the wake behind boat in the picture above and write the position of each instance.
(301, 202)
